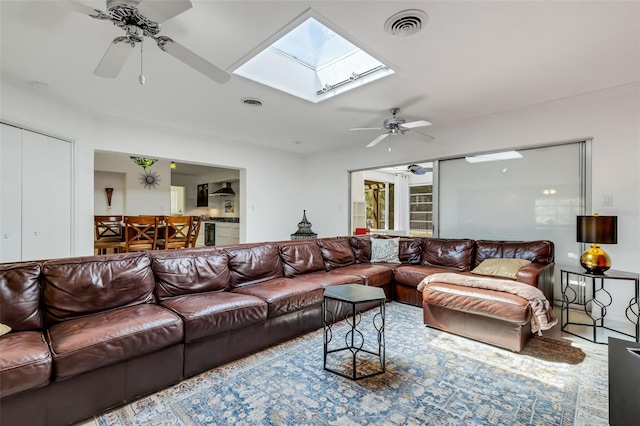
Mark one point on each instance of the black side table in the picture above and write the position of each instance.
(569, 296)
(354, 294)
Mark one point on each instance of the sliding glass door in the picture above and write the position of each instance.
(530, 194)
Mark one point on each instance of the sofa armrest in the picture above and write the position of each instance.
(539, 275)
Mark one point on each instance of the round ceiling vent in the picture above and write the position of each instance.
(406, 23)
(252, 102)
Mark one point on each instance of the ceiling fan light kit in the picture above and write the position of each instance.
(140, 19)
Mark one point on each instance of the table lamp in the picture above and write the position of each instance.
(596, 230)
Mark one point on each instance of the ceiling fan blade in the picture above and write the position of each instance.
(161, 11)
(376, 140)
(422, 136)
(192, 59)
(367, 128)
(414, 124)
(74, 6)
(114, 59)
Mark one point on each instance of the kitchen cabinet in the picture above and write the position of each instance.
(227, 233)
(35, 196)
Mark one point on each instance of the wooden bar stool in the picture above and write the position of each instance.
(195, 230)
(108, 234)
(140, 233)
(177, 232)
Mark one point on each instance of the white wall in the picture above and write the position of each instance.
(275, 179)
(138, 199)
(271, 177)
(104, 180)
(277, 186)
(611, 118)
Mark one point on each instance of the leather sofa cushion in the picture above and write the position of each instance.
(20, 296)
(478, 301)
(83, 344)
(25, 362)
(450, 253)
(413, 274)
(208, 314)
(374, 275)
(327, 278)
(535, 251)
(179, 274)
(82, 286)
(337, 253)
(361, 246)
(300, 257)
(409, 248)
(251, 264)
(285, 295)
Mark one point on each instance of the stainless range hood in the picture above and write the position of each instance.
(224, 191)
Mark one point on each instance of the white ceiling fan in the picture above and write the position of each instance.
(140, 19)
(419, 170)
(398, 126)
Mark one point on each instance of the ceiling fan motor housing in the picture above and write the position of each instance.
(393, 122)
(126, 16)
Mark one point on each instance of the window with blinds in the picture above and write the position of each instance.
(421, 210)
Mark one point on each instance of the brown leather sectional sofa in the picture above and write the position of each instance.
(91, 333)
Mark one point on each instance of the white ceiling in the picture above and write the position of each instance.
(473, 58)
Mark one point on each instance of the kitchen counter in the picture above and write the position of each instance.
(223, 219)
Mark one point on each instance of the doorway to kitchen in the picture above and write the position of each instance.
(177, 200)
(394, 200)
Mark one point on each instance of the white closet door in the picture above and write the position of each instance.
(46, 199)
(11, 190)
(34, 186)
(59, 198)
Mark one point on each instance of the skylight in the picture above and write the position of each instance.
(314, 44)
(495, 156)
(310, 60)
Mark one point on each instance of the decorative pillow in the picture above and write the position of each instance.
(504, 268)
(385, 250)
(4, 329)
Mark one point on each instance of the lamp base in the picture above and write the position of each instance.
(595, 260)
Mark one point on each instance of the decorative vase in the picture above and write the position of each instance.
(109, 192)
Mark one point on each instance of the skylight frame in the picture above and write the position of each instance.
(282, 72)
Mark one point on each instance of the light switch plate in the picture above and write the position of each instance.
(607, 200)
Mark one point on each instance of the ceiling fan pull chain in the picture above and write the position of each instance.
(141, 78)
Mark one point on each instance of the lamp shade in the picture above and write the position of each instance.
(143, 162)
(597, 229)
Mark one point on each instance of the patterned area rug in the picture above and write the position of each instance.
(431, 378)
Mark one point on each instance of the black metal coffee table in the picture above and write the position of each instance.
(354, 294)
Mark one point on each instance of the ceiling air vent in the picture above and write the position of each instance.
(252, 102)
(406, 23)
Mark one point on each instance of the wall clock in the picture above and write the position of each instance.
(149, 179)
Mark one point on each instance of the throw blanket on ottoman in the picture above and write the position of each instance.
(543, 317)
